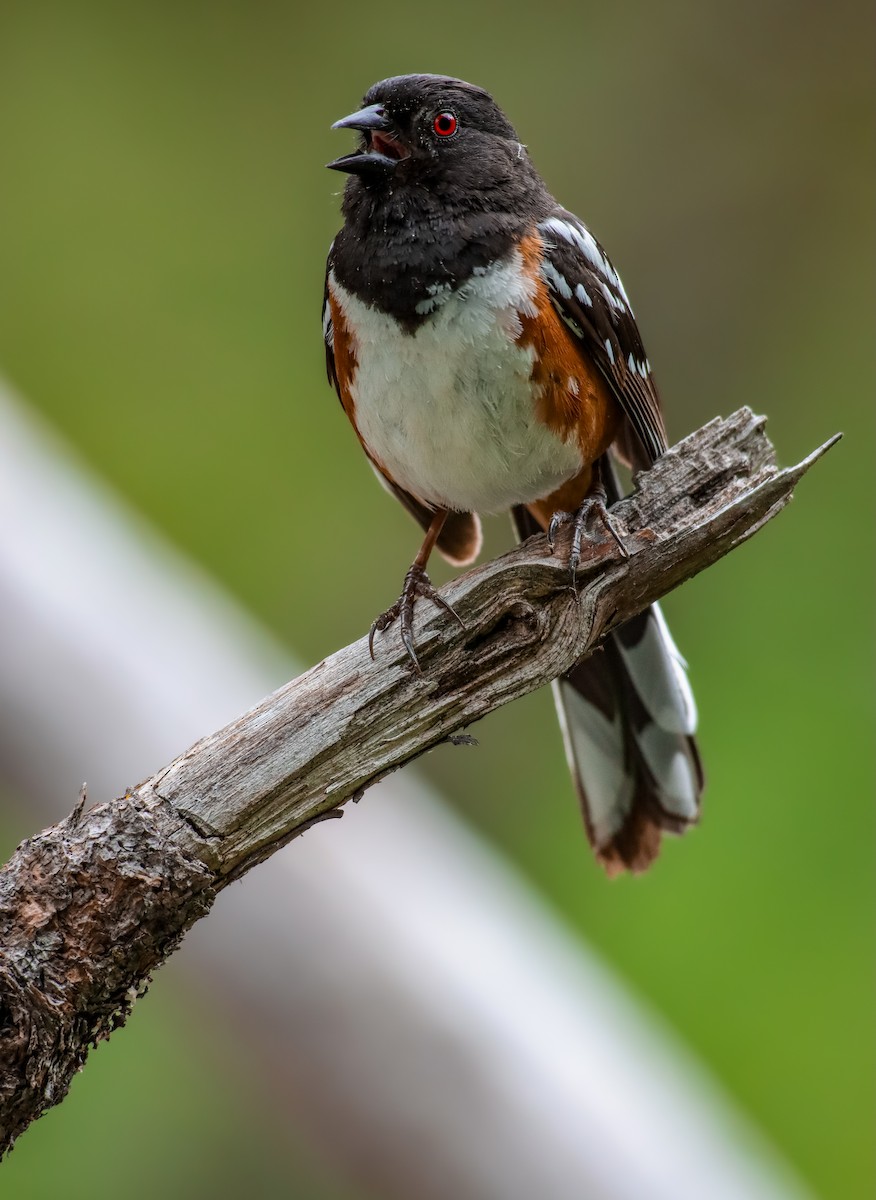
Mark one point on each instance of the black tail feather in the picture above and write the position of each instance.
(628, 719)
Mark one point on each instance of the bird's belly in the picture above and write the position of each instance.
(449, 411)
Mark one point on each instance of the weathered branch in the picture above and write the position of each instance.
(90, 907)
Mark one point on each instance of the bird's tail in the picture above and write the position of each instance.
(628, 718)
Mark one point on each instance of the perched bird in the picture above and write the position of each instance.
(484, 349)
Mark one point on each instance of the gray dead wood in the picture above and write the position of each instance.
(92, 906)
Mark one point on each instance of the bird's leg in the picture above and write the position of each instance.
(593, 505)
(417, 583)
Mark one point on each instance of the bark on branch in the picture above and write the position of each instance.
(92, 906)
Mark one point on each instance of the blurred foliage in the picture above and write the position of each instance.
(164, 217)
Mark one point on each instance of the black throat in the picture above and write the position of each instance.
(400, 245)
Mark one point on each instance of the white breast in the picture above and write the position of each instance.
(449, 410)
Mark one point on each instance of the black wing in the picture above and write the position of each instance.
(328, 329)
(589, 296)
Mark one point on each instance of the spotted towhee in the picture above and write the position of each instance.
(485, 351)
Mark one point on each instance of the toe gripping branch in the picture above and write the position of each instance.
(593, 506)
(417, 584)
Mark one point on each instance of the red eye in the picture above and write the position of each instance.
(445, 124)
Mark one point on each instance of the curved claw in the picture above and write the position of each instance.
(407, 628)
(448, 608)
(557, 520)
(417, 583)
(379, 624)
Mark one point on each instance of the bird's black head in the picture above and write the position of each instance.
(439, 187)
(431, 131)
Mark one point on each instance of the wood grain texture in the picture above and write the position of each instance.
(92, 906)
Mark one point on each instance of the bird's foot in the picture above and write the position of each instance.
(417, 583)
(592, 507)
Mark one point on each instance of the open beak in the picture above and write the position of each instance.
(380, 151)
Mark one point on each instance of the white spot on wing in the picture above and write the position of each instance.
(581, 237)
(583, 295)
(554, 279)
(609, 350)
(586, 243)
(555, 225)
(613, 301)
(637, 368)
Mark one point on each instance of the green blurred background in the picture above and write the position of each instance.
(164, 216)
